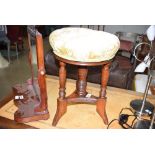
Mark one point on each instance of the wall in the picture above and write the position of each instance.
(141, 29)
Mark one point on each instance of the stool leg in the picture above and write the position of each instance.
(61, 101)
(101, 102)
(81, 83)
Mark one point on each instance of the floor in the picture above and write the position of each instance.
(17, 72)
(82, 115)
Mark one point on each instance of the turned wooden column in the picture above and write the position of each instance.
(101, 102)
(62, 80)
(80, 93)
(61, 101)
(81, 83)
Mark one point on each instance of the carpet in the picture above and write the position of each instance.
(79, 116)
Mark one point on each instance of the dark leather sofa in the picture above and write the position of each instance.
(121, 69)
(121, 76)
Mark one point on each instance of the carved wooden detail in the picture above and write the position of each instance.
(80, 94)
(31, 97)
(81, 83)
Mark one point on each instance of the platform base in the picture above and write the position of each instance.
(137, 104)
(29, 104)
(30, 119)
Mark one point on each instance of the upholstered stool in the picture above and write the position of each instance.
(83, 47)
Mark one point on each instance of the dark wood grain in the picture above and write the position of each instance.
(33, 105)
(6, 99)
(10, 124)
(61, 101)
(6, 123)
(80, 94)
(79, 63)
(81, 83)
(101, 102)
(62, 80)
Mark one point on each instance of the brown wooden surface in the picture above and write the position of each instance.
(9, 124)
(6, 99)
(41, 72)
(62, 80)
(101, 102)
(81, 83)
(61, 101)
(79, 116)
(37, 109)
(82, 63)
(80, 94)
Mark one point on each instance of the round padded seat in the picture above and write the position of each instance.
(84, 45)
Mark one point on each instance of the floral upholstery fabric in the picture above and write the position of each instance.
(85, 45)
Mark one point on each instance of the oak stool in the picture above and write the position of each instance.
(82, 47)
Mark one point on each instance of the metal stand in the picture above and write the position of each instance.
(146, 108)
(142, 106)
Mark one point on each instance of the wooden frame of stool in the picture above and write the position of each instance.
(80, 94)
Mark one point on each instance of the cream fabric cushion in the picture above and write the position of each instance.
(85, 45)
